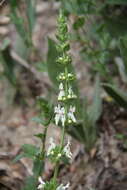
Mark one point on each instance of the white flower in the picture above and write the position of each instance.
(42, 183)
(59, 155)
(62, 76)
(60, 115)
(62, 187)
(67, 150)
(70, 75)
(61, 95)
(51, 147)
(71, 114)
(63, 118)
(71, 93)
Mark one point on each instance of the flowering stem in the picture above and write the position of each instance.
(42, 153)
(64, 112)
(61, 146)
(64, 127)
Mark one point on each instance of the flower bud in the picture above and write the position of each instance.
(64, 60)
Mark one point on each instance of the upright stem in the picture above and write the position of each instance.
(42, 155)
(43, 142)
(64, 127)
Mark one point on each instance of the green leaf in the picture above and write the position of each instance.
(21, 48)
(30, 150)
(38, 167)
(19, 157)
(79, 23)
(89, 128)
(123, 50)
(118, 95)
(20, 26)
(5, 44)
(53, 68)
(96, 108)
(31, 14)
(39, 135)
(9, 65)
(19, 23)
(41, 66)
(121, 68)
(46, 111)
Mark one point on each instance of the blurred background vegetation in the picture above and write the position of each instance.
(28, 67)
(100, 29)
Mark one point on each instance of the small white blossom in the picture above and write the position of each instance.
(70, 75)
(62, 187)
(67, 150)
(71, 114)
(61, 87)
(61, 95)
(62, 76)
(60, 115)
(63, 118)
(42, 183)
(51, 147)
(71, 93)
(59, 155)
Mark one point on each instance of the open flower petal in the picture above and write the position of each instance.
(60, 115)
(62, 187)
(51, 146)
(61, 93)
(42, 183)
(71, 114)
(67, 150)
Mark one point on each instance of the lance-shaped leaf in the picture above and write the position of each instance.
(29, 151)
(38, 167)
(31, 14)
(121, 68)
(96, 108)
(46, 111)
(8, 65)
(118, 95)
(123, 51)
